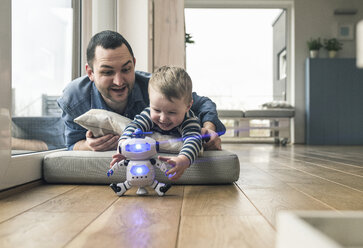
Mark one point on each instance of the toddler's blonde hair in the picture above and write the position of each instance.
(172, 82)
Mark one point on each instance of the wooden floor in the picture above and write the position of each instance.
(243, 214)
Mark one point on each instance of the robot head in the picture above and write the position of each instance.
(138, 147)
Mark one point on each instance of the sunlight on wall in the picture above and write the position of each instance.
(231, 59)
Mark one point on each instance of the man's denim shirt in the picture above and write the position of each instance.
(82, 95)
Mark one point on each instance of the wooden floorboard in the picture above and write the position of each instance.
(346, 155)
(334, 195)
(226, 231)
(348, 179)
(19, 189)
(243, 214)
(329, 164)
(267, 192)
(136, 221)
(220, 216)
(224, 200)
(58, 220)
(21, 202)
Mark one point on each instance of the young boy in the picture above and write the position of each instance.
(170, 93)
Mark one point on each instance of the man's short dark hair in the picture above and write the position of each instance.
(108, 40)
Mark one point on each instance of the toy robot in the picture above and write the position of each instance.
(139, 152)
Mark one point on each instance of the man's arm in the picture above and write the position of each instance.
(206, 111)
(212, 127)
(214, 142)
(78, 138)
(75, 101)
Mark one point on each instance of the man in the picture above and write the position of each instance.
(112, 84)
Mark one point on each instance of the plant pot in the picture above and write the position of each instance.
(332, 54)
(314, 53)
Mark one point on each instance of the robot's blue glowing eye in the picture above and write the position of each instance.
(139, 170)
(137, 147)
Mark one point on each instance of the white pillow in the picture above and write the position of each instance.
(101, 122)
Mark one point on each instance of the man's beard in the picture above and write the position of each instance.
(125, 90)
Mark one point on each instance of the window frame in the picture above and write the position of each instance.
(23, 168)
(5, 93)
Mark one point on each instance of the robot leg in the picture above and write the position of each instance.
(160, 188)
(120, 188)
(141, 191)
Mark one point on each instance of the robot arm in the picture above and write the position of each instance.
(164, 167)
(117, 166)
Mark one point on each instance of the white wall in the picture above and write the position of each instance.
(133, 24)
(103, 15)
(315, 18)
(131, 18)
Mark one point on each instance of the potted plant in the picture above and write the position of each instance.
(332, 45)
(314, 46)
(188, 39)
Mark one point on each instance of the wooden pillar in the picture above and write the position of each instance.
(169, 33)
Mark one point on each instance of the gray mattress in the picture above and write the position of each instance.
(86, 167)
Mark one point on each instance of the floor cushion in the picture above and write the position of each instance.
(87, 167)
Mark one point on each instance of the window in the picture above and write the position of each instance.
(282, 64)
(42, 41)
(231, 60)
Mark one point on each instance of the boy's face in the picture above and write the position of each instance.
(164, 113)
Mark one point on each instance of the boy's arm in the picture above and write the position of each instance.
(192, 144)
(192, 138)
(142, 121)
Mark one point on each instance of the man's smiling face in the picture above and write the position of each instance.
(113, 73)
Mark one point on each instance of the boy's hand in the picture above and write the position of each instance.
(179, 163)
(116, 158)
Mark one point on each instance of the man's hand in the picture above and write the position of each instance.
(214, 142)
(104, 143)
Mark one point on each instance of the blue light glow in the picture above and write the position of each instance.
(139, 170)
(170, 175)
(138, 147)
